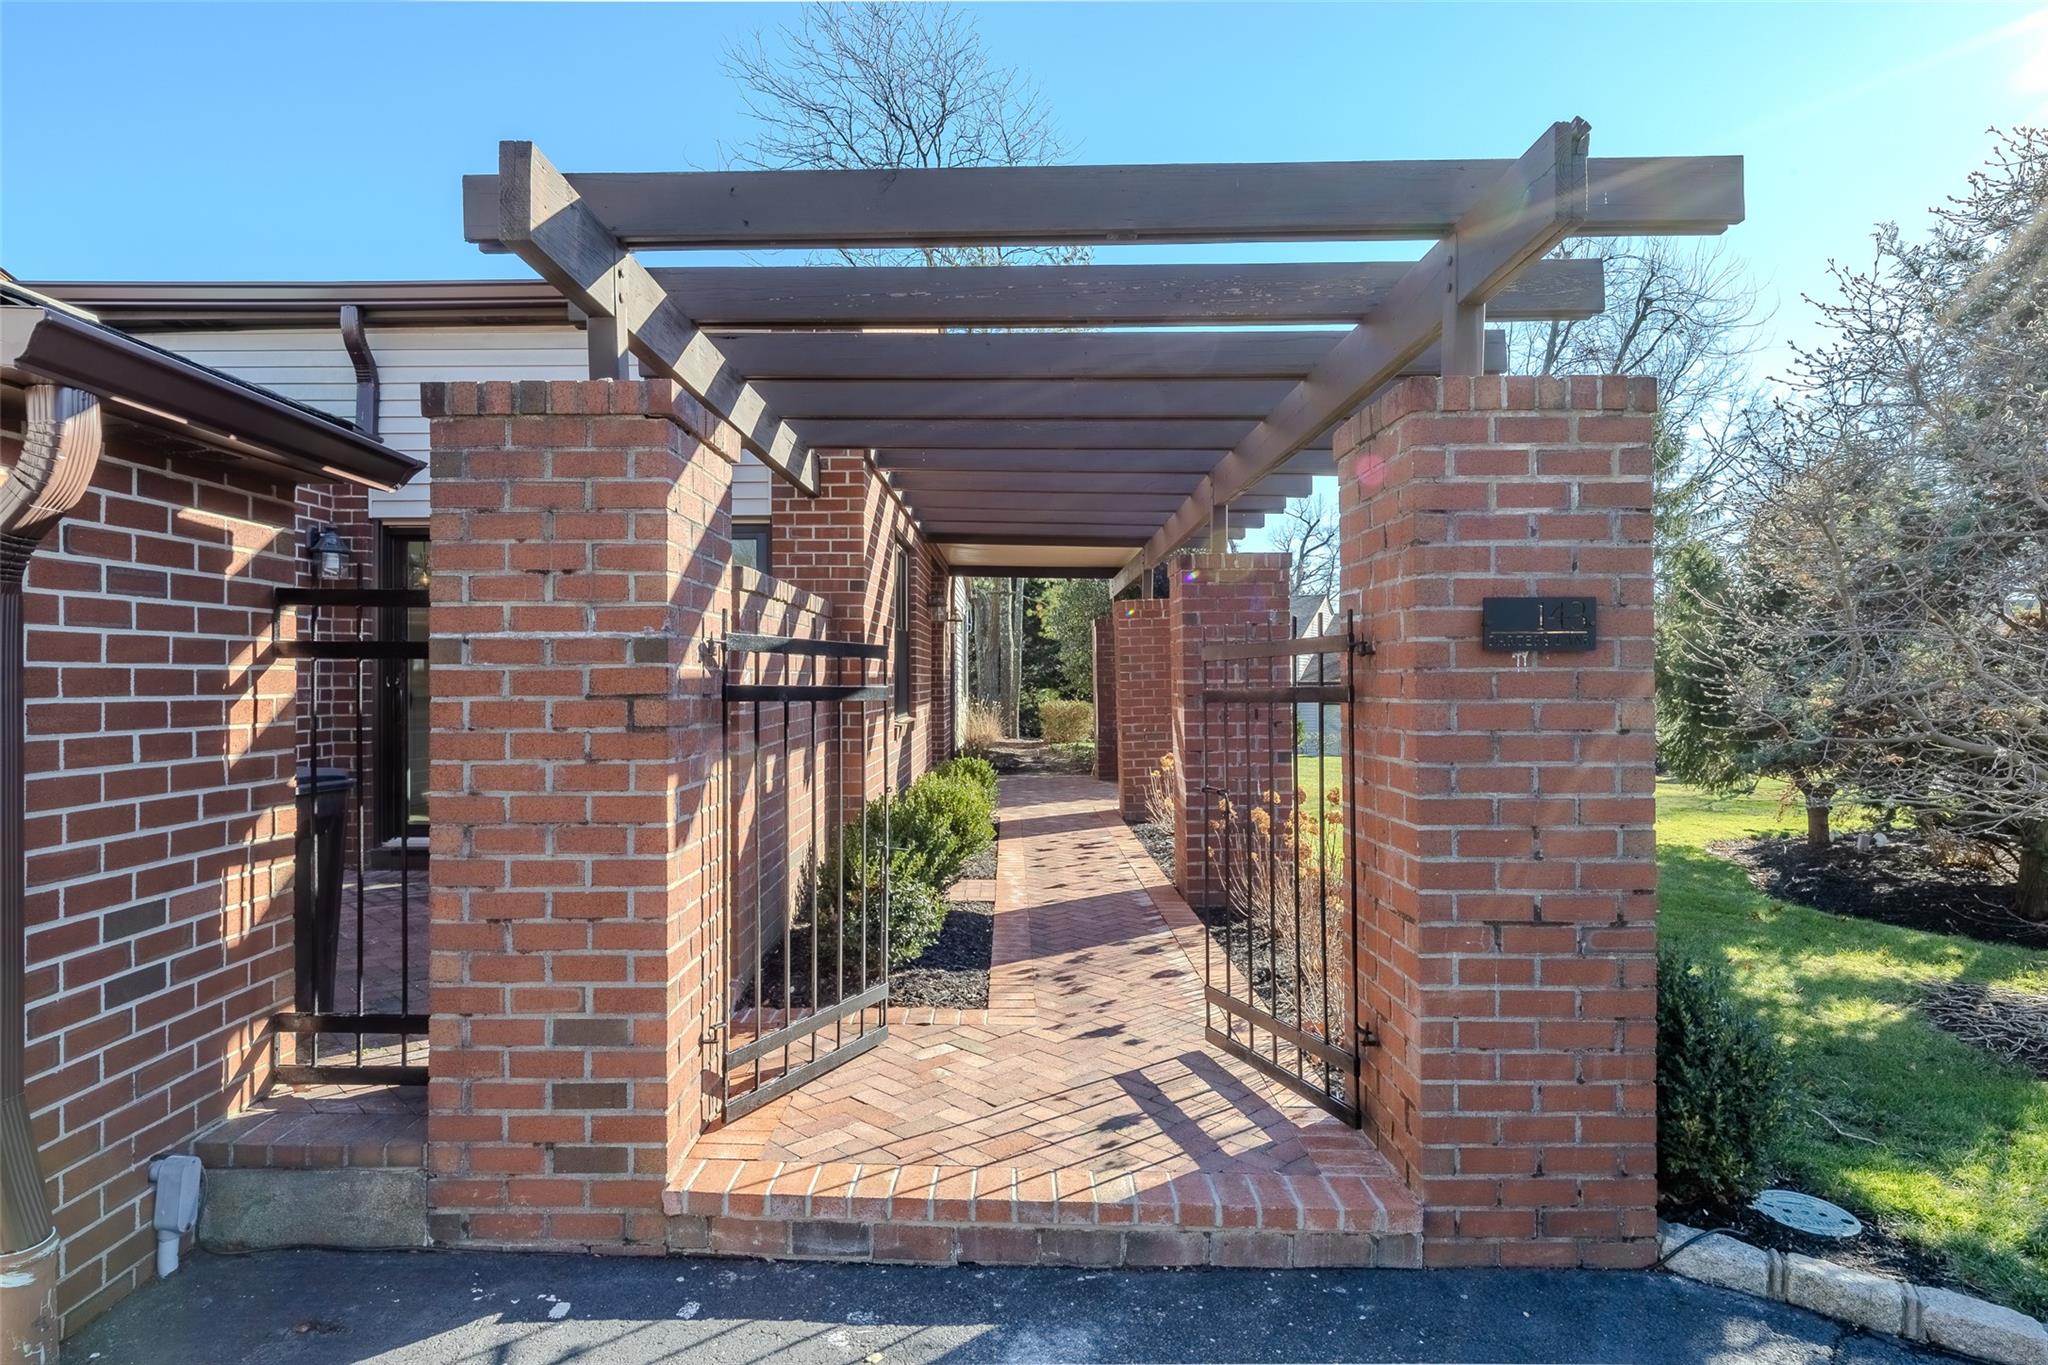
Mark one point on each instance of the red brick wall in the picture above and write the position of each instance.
(841, 545)
(581, 543)
(1105, 699)
(1246, 752)
(1144, 698)
(159, 839)
(1504, 825)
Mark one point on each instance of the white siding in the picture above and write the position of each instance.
(310, 366)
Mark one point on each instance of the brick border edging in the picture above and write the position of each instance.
(1030, 1245)
(1876, 1303)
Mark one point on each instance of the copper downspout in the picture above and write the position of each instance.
(60, 449)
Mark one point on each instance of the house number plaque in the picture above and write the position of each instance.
(1517, 625)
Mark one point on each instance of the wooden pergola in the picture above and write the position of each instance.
(1129, 408)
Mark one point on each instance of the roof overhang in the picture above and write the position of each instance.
(187, 403)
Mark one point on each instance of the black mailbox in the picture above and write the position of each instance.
(1519, 624)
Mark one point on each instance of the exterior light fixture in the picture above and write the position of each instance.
(328, 551)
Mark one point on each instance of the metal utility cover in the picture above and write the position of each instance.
(1804, 1213)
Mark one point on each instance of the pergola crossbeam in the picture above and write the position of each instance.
(1246, 294)
(1254, 202)
(1177, 355)
(1533, 205)
(543, 220)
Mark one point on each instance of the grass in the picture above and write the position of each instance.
(1957, 1157)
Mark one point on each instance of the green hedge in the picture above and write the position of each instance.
(1721, 1089)
(1066, 722)
(931, 830)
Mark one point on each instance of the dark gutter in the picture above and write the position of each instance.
(155, 386)
(364, 362)
(384, 303)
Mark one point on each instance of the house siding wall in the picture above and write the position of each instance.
(309, 365)
(159, 840)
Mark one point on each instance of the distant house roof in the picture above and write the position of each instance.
(178, 403)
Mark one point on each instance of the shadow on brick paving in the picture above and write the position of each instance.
(413, 1308)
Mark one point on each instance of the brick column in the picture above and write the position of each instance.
(1503, 831)
(1218, 599)
(842, 545)
(581, 538)
(1105, 699)
(1143, 659)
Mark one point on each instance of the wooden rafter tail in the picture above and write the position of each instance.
(1531, 206)
(543, 220)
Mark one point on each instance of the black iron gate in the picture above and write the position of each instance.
(803, 932)
(1280, 903)
(359, 924)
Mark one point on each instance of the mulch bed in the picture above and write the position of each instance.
(1898, 884)
(982, 866)
(953, 972)
(1036, 756)
(1158, 841)
(1875, 1250)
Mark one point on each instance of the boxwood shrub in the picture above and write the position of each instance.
(1721, 1089)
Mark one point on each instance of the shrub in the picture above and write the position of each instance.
(979, 771)
(984, 728)
(917, 911)
(1162, 792)
(1721, 1096)
(936, 826)
(1066, 722)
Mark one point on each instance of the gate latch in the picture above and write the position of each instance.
(1367, 1038)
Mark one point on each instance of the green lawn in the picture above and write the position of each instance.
(1958, 1161)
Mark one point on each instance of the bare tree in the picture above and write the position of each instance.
(884, 86)
(1683, 314)
(1307, 531)
(1893, 556)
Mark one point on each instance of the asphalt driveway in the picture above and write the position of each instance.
(314, 1307)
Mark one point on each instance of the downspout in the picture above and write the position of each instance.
(365, 364)
(60, 449)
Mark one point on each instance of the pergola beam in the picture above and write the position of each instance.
(1199, 433)
(765, 356)
(1260, 202)
(918, 482)
(950, 399)
(1533, 204)
(1090, 295)
(541, 218)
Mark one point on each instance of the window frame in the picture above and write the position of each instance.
(901, 630)
(759, 533)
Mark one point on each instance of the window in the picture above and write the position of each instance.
(403, 699)
(901, 650)
(750, 541)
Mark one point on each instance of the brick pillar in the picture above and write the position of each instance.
(1245, 751)
(842, 545)
(1143, 656)
(1504, 827)
(580, 543)
(1105, 699)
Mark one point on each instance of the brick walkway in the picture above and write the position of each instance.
(1084, 1121)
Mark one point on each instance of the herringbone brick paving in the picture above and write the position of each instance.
(1087, 1095)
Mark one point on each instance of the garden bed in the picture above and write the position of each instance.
(1036, 756)
(1875, 1249)
(1157, 840)
(952, 973)
(1901, 883)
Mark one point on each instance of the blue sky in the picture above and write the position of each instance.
(190, 141)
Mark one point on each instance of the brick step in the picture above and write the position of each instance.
(1008, 1216)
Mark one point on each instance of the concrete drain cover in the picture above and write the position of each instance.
(1804, 1213)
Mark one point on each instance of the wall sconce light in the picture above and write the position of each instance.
(328, 551)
